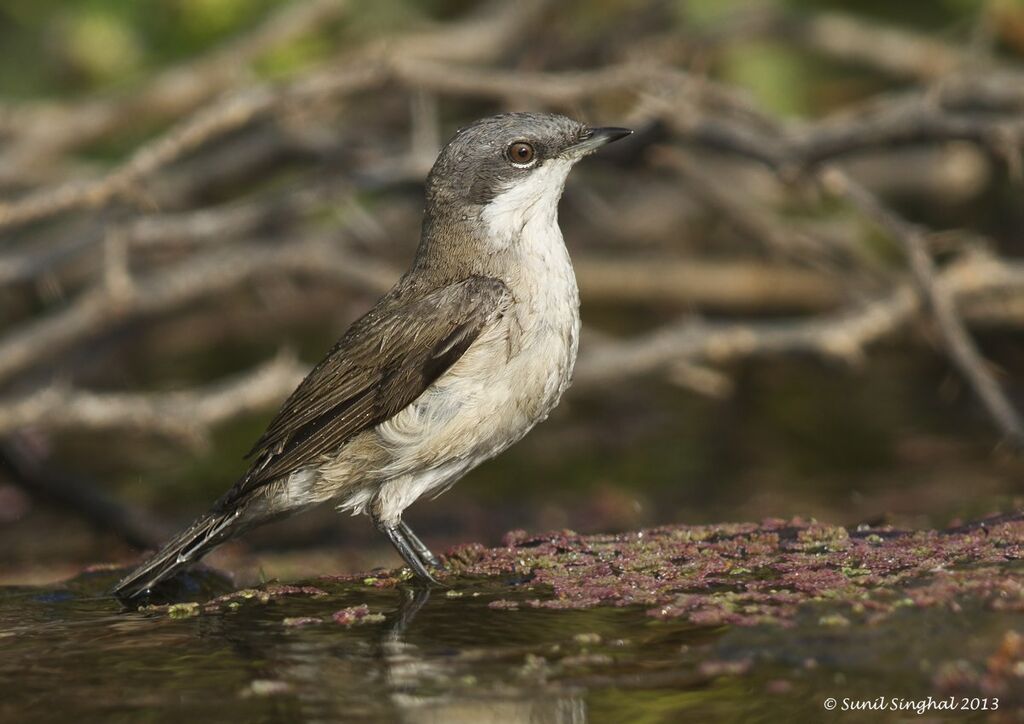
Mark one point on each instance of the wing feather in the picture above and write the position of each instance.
(382, 364)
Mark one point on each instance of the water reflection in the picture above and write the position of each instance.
(409, 674)
(441, 657)
(407, 669)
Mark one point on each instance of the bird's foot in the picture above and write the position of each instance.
(419, 546)
(412, 552)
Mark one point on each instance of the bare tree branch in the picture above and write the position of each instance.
(204, 275)
(215, 225)
(186, 416)
(960, 346)
(221, 118)
(733, 285)
(354, 71)
(42, 130)
(891, 50)
(842, 336)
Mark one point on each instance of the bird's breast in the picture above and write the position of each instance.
(509, 379)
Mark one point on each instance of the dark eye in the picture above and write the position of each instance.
(521, 153)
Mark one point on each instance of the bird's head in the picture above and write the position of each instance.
(509, 170)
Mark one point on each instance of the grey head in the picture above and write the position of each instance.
(514, 164)
(489, 156)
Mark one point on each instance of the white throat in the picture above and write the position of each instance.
(528, 211)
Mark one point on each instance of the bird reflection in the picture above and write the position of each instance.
(408, 670)
(376, 672)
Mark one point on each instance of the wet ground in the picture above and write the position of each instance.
(727, 623)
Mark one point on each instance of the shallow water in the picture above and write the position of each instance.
(71, 651)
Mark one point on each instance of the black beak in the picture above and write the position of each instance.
(594, 138)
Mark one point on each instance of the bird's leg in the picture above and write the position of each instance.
(419, 546)
(408, 553)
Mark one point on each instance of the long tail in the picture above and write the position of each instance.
(184, 549)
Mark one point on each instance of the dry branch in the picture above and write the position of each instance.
(209, 226)
(916, 118)
(958, 342)
(219, 119)
(732, 285)
(478, 37)
(39, 131)
(894, 51)
(202, 276)
(913, 121)
(890, 50)
(188, 415)
(841, 336)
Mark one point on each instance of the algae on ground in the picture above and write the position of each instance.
(731, 622)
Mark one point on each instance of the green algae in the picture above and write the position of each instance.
(733, 622)
(746, 574)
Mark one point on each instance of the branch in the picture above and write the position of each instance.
(886, 49)
(105, 308)
(41, 130)
(681, 349)
(565, 88)
(905, 122)
(915, 121)
(749, 221)
(959, 345)
(842, 335)
(730, 285)
(186, 416)
(217, 225)
(972, 108)
(891, 50)
(477, 37)
(216, 120)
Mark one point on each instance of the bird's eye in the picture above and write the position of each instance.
(521, 154)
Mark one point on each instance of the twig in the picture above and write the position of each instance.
(840, 336)
(43, 130)
(749, 221)
(911, 121)
(186, 416)
(980, 108)
(959, 345)
(203, 275)
(886, 49)
(733, 285)
(890, 50)
(216, 225)
(680, 348)
(221, 118)
(370, 66)
(906, 123)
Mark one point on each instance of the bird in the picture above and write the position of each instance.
(471, 348)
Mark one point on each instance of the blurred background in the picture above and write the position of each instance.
(796, 276)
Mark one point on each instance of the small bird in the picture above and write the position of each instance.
(470, 349)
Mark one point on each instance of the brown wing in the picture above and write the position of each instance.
(381, 365)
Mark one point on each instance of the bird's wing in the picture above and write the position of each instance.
(381, 365)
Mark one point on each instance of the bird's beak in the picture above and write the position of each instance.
(594, 138)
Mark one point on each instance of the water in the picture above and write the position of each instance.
(70, 651)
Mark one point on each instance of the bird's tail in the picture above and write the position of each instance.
(184, 549)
